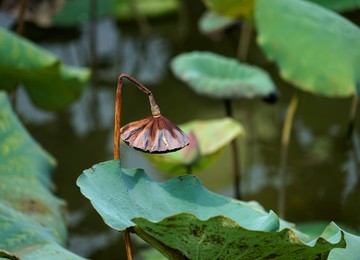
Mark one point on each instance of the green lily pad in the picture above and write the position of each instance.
(339, 6)
(232, 8)
(192, 221)
(211, 22)
(149, 8)
(50, 84)
(225, 130)
(316, 49)
(221, 77)
(32, 224)
(75, 12)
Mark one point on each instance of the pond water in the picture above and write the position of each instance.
(323, 170)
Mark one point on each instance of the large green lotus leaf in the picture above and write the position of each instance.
(190, 220)
(232, 8)
(225, 130)
(217, 76)
(149, 8)
(316, 49)
(120, 194)
(338, 6)
(222, 238)
(31, 217)
(27, 239)
(75, 12)
(51, 84)
(211, 22)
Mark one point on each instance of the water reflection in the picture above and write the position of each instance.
(351, 170)
(6, 20)
(93, 111)
(87, 245)
(30, 113)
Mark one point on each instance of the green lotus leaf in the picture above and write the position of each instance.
(211, 22)
(246, 8)
(26, 238)
(221, 77)
(75, 12)
(338, 6)
(232, 8)
(149, 8)
(31, 217)
(316, 49)
(192, 221)
(120, 194)
(220, 237)
(50, 84)
(225, 130)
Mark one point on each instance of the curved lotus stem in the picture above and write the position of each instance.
(155, 134)
(154, 109)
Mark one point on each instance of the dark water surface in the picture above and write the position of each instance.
(323, 172)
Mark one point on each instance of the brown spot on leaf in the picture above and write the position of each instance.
(33, 206)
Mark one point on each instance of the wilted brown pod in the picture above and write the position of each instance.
(155, 134)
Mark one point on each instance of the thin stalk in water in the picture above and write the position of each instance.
(242, 53)
(21, 17)
(189, 169)
(285, 139)
(352, 116)
(143, 23)
(244, 42)
(235, 155)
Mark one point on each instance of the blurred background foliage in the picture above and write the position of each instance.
(69, 110)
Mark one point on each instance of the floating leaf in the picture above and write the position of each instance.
(246, 8)
(338, 6)
(149, 8)
(217, 76)
(192, 221)
(49, 83)
(212, 137)
(31, 218)
(75, 12)
(315, 48)
(212, 23)
(232, 8)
